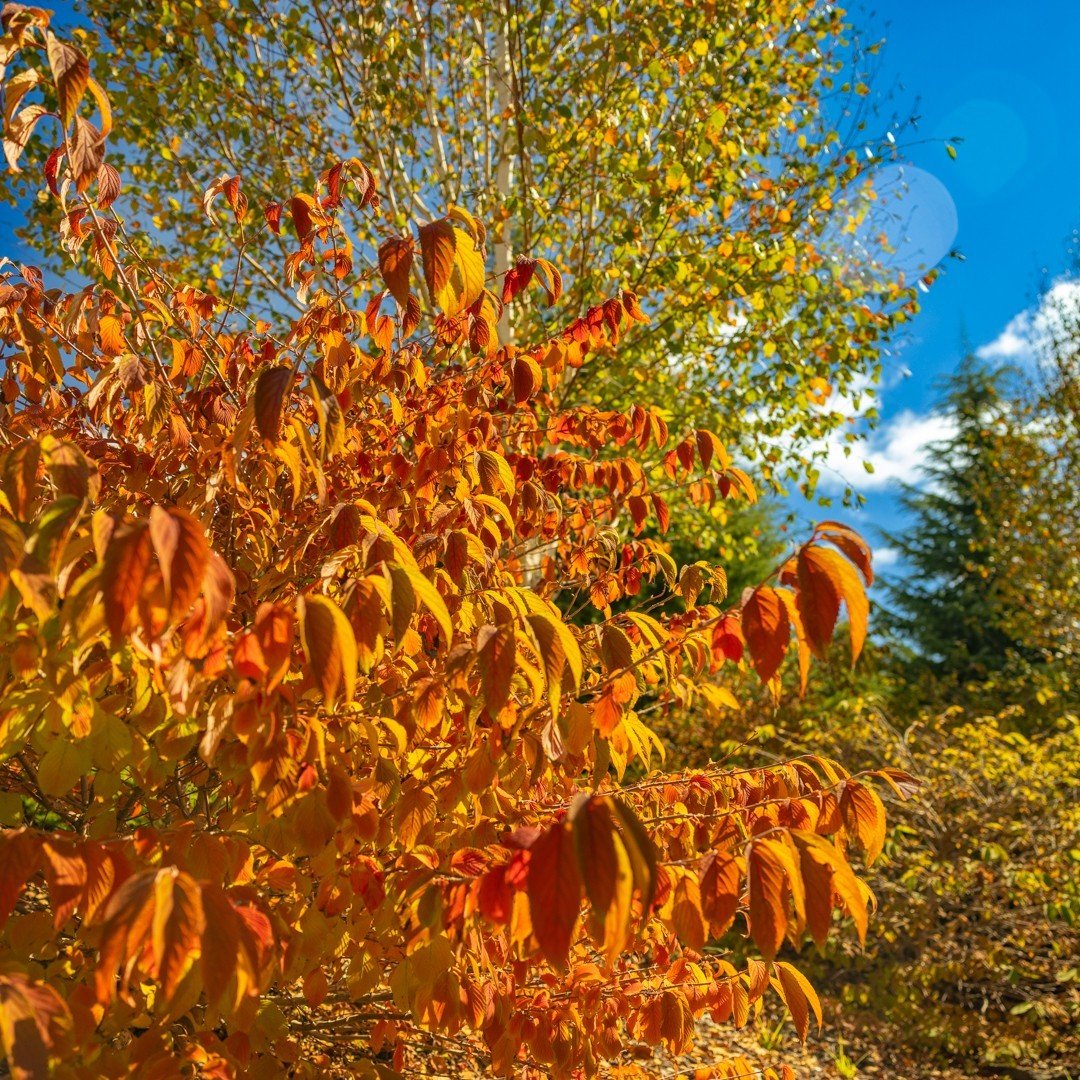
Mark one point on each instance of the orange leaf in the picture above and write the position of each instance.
(594, 842)
(127, 560)
(414, 810)
(20, 857)
(229, 947)
(720, 891)
(329, 645)
(80, 880)
(851, 544)
(177, 927)
(818, 598)
(437, 244)
(766, 630)
(686, 915)
(496, 653)
(395, 263)
(71, 72)
(527, 378)
(827, 875)
(825, 578)
(799, 996)
(771, 869)
(270, 390)
(554, 890)
(35, 1025)
(154, 921)
(864, 817)
(275, 628)
(19, 476)
(183, 554)
(551, 279)
(801, 644)
(640, 850)
(301, 207)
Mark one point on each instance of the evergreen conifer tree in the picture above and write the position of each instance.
(973, 546)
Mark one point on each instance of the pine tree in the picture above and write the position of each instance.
(974, 544)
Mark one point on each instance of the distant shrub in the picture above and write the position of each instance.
(976, 952)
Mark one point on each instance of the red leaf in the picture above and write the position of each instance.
(300, 208)
(52, 169)
(272, 214)
(517, 278)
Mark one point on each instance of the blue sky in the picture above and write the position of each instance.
(1003, 77)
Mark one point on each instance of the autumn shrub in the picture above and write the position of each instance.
(305, 762)
(971, 960)
(974, 956)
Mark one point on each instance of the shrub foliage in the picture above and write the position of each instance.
(306, 756)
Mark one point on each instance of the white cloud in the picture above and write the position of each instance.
(897, 450)
(884, 557)
(1012, 342)
(1024, 334)
(900, 447)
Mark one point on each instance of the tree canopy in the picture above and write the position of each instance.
(722, 170)
(991, 558)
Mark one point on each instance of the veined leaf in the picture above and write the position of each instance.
(559, 651)
(497, 652)
(431, 598)
(554, 889)
(799, 996)
(127, 560)
(270, 390)
(71, 70)
(824, 579)
(395, 264)
(329, 645)
(766, 630)
(864, 817)
(183, 555)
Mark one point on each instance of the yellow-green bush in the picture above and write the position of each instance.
(974, 957)
(976, 953)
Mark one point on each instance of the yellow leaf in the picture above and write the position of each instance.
(798, 994)
(432, 599)
(559, 651)
(415, 809)
(329, 645)
(495, 470)
(63, 764)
